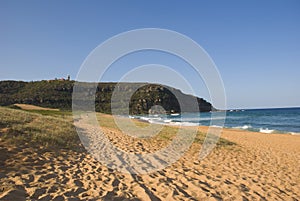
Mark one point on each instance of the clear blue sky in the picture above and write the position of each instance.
(255, 44)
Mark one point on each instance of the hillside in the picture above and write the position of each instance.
(58, 94)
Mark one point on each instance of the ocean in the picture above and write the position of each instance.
(279, 120)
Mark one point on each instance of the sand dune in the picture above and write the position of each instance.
(34, 107)
(259, 167)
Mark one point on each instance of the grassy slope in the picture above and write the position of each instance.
(19, 127)
(55, 128)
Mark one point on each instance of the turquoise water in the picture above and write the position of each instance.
(281, 120)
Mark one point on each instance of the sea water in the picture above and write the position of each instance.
(279, 120)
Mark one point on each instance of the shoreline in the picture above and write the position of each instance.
(186, 124)
(279, 120)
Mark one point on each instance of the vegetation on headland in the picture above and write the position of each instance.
(58, 94)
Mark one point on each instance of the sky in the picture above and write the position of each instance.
(254, 44)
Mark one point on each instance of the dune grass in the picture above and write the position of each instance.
(21, 127)
(52, 113)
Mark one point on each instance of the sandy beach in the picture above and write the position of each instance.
(127, 100)
(259, 167)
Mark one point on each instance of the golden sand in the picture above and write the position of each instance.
(259, 167)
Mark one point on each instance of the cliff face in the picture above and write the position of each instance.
(58, 94)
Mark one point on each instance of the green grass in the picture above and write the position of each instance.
(52, 113)
(21, 127)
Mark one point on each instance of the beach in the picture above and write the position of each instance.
(259, 167)
(149, 100)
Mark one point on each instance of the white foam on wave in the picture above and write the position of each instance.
(151, 118)
(244, 127)
(265, 130)
(159, 120)
(184, 123)
(174, 122)
(144, 118)
(202, 118)
(293, 133)
(215, 126)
